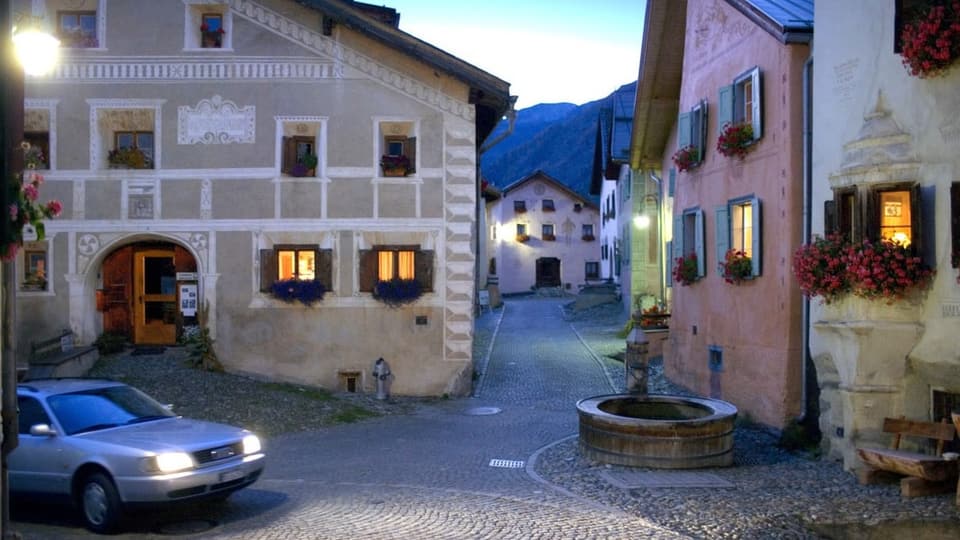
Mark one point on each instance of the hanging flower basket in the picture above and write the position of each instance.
(685, 270)
(307, 292)
(397, 292)
(930, 42)
(735, 140)
(23, 210)
(686, 158)
(736, 267)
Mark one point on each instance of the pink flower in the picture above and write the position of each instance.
(11, 252)
(54, 207)
(14, 212)
(31, 192)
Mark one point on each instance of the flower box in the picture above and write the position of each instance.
(736, 267)
(685, 271)
(523, 238)
(128, 158)
(735, 140)
(686, 158)
(930, 42)
(549, 238)
(397, 292)
(307, 292)
(588, 238)
(395, 165)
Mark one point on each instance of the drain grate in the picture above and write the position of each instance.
(506, 464)
(671, 479)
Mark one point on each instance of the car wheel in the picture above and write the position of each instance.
(99, 503)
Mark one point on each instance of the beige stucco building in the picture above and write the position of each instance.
(880, 132)
(259, 128)
(706, 64)
(542, 234)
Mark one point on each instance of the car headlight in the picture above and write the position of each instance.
(170, 462)
(251, 444)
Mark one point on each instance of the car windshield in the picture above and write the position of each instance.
(102, 408)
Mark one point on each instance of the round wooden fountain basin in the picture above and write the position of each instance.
(659, 431)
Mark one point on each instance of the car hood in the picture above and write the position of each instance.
(170, 434)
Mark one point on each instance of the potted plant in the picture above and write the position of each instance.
(128, 158)
(395, 165)
(397, 292)
(523, 238)
(686, 158)
(307, 292)
(735, 139)
(930, 42)
(211, 39)
(685, 270)
(655, 316)
(305, 166)
(549, 238)
(588, 238)
(23, 211)
(736, 267)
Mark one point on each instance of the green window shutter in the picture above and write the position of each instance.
(683, 131)
(268, 269)
(725, 107)
(325, 268)
(423, 269)
(367, 270)
(699, 241)
(677, 241)
(672, 185)
(722, 233)
(698, 130)
(669, 249)
(757, 246)
(757, 108)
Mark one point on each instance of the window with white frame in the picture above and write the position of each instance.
(741, 103)
(387, 262)
(301, 148)
(900, 212)
(548, 232)
(397, 147)
(36, 267)
(296, 261)
(591, 270)
(125, 133)
(208, 25)
(39, 123)
(77, 29)
(738, 228)
(692, 130)
(688, 239)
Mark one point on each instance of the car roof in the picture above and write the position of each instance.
(61, 386)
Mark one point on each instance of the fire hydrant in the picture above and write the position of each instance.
(382, 374)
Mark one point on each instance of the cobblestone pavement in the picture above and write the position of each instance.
(503, 464)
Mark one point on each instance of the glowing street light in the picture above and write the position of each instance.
(36, 51)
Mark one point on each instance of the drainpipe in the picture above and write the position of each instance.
(807, 228)
(660, 273)
(511, 115)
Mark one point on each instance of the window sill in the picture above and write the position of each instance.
(208, 49)
(34, 293)
(412, 179)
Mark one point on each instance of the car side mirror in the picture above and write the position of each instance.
(42, 430)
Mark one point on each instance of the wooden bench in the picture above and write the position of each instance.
(925, 474)
(60, 357)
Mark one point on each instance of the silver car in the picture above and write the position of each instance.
(107, 445)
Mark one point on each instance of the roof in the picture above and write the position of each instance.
(540, 175)
(614, 130)
(790, 21)
(490, 94)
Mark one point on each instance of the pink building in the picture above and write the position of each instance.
(542, 235)
(742, 76)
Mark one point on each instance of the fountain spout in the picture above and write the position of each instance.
(635, 362)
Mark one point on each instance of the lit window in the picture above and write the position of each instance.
(895, 219)
(738, 228)
(740, 103)
(395, 265)
(741, 228)
(296, 264)
(303, 262)
(385, 263)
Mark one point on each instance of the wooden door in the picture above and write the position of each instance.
(117, 274)
(548, 272)
(155, 297)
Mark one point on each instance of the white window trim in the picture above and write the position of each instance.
(320, 137)
(189, 23)
(97, 104)
(50, 105)
(21, 268)
(39, 9)
(377, 177)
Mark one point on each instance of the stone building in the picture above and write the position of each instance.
(230, 144)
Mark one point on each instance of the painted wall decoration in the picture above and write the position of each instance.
(216, 121)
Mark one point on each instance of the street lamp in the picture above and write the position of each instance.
(36, 53)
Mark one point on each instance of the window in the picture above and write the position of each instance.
(299, 156)
(521, 229)
(398, 148)
(383, 263)
(78, 29)
(519, 206)
(548, 205)
(586, 232)
(604, 249)
(890, 212)
(39, 148)
(547, 232)
(125, 133)
(211, 31)
(35, 268)
(591, 270)
(740, 103)
(738, 227)
(692, 130)
(688, 231)
(133, 149)
(305, 262)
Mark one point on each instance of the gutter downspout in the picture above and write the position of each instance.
(511, 115)
(806, 231)
(661, 276)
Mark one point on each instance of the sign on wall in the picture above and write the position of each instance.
(188, 299)
(216, 121)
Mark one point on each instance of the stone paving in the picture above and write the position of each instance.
(431, 474)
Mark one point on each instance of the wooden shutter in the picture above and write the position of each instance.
(830, 225)
(757, 108)
(722, 233)
(699, 230)
(325, 268)
(683, 130)
(668, 249)
(288, 155)
(410, 147)
(757, 246)
(423, 269)
(367, 270)
(870, 214)
(923, 214)
(954, 224)
(268, 269)
(725, 107)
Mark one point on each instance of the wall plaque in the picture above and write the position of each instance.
(216, 121)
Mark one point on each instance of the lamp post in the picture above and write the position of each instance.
(36, 53)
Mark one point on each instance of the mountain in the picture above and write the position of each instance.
(558, 138)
